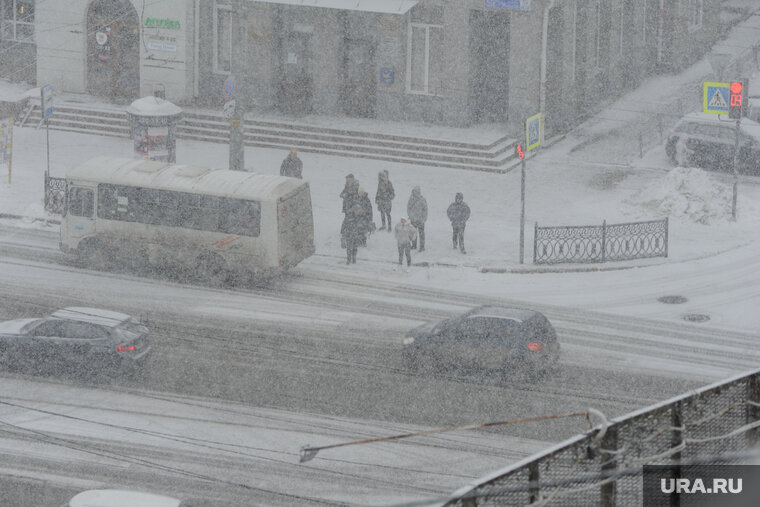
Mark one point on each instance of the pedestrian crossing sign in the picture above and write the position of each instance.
(715, 98)
(533, 131)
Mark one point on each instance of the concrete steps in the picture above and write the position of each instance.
(496, 156)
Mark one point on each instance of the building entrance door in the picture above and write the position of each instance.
(489, 54)
(360, 88)
(296, 85)
(113, 50)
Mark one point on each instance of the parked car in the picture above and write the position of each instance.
(488, 338)
(122, 498)
(707, 141)
(85, 339)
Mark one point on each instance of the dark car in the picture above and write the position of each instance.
(488, 338)
(707, 141)
(78, 339)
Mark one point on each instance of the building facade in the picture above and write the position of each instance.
(450, 62)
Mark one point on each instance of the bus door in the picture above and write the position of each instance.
(80, 209)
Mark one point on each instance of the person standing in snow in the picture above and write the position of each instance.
(406, 234)
(292, 165)
(366, 216)
(350, 193)
(458, 213)
(417, 211)
(384, 198)
(352, 233)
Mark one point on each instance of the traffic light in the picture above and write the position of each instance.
(736, 97)
(519, 152)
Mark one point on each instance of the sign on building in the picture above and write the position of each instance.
(516, 5)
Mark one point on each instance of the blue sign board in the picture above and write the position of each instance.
(229, 88)
(46, 97)
(715, 98)
(517, 5)
(533, 131)
(387, 75)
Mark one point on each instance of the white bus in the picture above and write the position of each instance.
(216, 221)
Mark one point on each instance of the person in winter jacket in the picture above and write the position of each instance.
(417, 210)
(292, 165)
(384, 198)
(458, 213)
(406, 234)
(350, 193)
(352, 232)
(366, 216)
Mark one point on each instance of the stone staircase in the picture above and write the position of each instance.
(494, 156)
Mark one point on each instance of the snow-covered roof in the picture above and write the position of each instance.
(382, 6)
(153, 106)
(161, 175)
(92, 315)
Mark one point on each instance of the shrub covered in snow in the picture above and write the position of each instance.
(687, 193)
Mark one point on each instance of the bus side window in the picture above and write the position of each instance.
(81, 202)
(212, 214)
(168, 203)
(106, 201)
(241, 217)
(189, 210)
(149, 212)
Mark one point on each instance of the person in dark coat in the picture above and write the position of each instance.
(292, 165)
(458, 213)
(367, 224)
(406, 234)
(350, 193)
(352, 232)
(384, 198)
(417, 211)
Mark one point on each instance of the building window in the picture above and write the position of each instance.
(18, 20)
(695, 11)
(222, 39)
(424, 62)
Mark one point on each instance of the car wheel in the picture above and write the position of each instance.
(94, 254)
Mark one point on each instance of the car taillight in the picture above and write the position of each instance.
(535, 347)
(125, 348)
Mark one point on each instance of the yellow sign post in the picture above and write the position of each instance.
(6, 144)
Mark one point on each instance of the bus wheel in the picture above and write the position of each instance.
(94, 254)
(211, 267)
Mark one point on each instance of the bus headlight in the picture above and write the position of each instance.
(408, 340)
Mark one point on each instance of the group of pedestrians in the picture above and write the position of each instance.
(358, 214)
(409, 231)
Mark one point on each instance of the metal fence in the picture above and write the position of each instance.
(604, 466)
(594, 243)
(55, 194)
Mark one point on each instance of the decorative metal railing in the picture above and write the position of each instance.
(593, 243)
(55, 194)
(717, 424)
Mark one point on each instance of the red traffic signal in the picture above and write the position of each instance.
(735, 100)
(519, 152)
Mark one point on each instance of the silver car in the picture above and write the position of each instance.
(77, 338)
